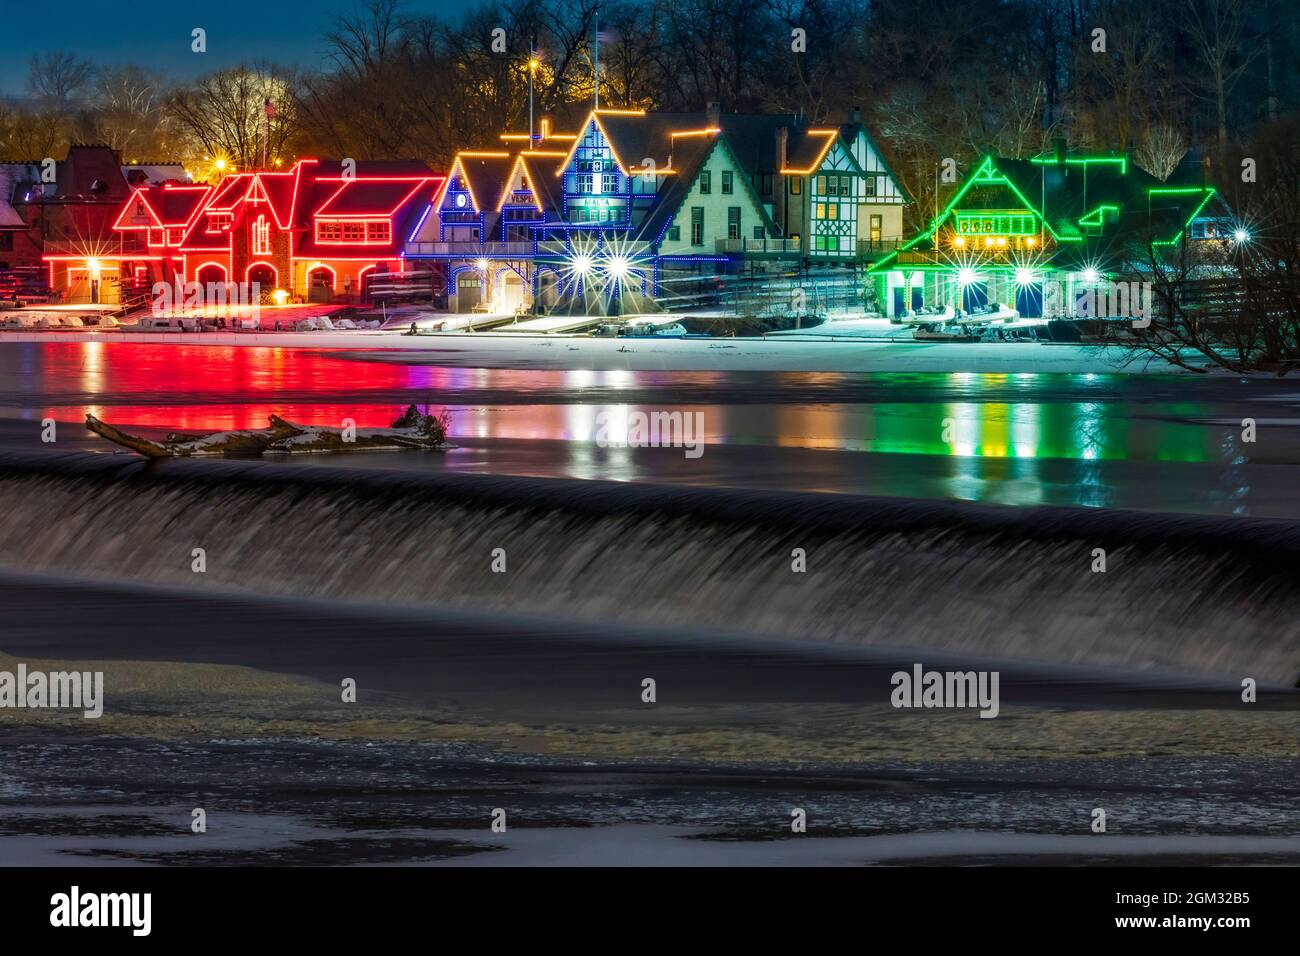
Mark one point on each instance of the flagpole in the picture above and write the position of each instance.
(596, 60)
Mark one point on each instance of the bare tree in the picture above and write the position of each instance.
(1218, 29)
(1160, 149)
(223, 113)
(58, 76)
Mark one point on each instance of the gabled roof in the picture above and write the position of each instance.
(1092, 206)
(851, 131)
(691, 153)
(170, 205)
(535, 170)
(485, 173)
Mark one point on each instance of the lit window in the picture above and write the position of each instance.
(261, 237)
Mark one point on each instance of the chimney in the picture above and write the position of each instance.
(782, 142)
(713, 114)
(855, 115)
(1058, 144)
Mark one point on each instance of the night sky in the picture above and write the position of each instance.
(158, 35)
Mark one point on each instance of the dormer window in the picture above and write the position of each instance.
(219, 221)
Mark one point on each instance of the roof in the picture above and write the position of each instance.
(535, 170)
(398, 195)
(168, 205)
(1093, 206)
(91, 172)
(15, 180)
(486, 174)
(369, 197)
(851, 131)
(155, 173)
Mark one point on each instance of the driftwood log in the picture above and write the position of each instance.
(281, 436)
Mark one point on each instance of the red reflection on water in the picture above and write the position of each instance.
(226, 417)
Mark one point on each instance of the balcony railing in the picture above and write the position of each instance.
(557, 247)
(757, 246)
(870, 248)
(105, 248)
(472, 250)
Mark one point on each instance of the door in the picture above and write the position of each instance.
(1029, 301)
(975, 296)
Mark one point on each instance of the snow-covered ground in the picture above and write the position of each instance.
(521, 350)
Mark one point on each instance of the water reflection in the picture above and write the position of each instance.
(986, 437)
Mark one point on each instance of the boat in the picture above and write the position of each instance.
(866, 327)
(649, 330)
(944, 332)
(928, 316)
(995, 312)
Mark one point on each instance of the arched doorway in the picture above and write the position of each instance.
(210, 272)
(266, 278)
(320, 284)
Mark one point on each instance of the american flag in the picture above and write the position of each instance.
(268, 108)
(604, 33)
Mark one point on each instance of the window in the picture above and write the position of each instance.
(609, 183)
(796, 185)
(726, 182)
(877, 228)
(767, 184)
(174, 236)
(329, 231)
(758, 232)
(584, 182)
(819, 185)
(218, 221)
(870, 184)
(733, 222)
(139, 208)
(706, 183)
(155, 237)
(261, 237)
(675, 234)
(697, 225)
(354, 231)
(379, 231)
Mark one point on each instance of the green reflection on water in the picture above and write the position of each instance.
(1088, 431)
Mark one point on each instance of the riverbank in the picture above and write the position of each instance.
(517, 350)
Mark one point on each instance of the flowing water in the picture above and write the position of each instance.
(835, 527)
